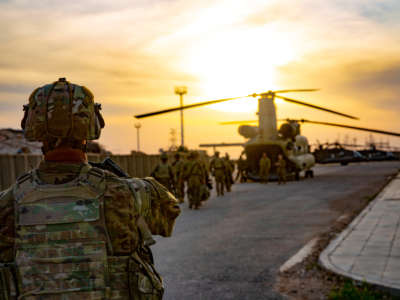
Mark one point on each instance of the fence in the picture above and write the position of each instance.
(12, 166)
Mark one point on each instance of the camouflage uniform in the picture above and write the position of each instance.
(217, 167)
(178, 168)
(164, 174)
(281, 170)
(125, 248)
(72, 231)
(229, 168)
(242, 168)
(265, 167)
(195, 175)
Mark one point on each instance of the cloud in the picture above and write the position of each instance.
(14, 88)
(132, 53)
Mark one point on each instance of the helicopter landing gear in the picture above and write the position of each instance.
(309, 173)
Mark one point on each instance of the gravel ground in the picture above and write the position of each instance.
(233, 246)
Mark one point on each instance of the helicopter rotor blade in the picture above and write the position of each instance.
(296, 90)
(316, 107)
(350, 127)
(238, 122)
(186, 107)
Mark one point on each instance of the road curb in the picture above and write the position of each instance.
(325, 257)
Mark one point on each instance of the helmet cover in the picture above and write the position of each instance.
(62, 110)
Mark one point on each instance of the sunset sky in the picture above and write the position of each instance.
(131, 54)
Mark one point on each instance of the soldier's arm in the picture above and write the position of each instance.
(155, 204)
(164, 208)
(6, 225)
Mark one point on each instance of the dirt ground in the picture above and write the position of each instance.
(307, 280)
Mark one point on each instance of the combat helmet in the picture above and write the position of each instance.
(62, 111)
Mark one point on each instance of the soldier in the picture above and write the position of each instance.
(229, 168)
(242, 169)
(281, 169)
(217, 167)
(195, 176)
(265, 167)
(178, 169)
(72, 231)
(163, 173)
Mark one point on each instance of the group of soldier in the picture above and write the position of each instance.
(190, 170)
(265, 168)
(222, 169)
(193, 171)
(74, 230)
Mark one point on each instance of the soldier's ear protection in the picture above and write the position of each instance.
(97, 109)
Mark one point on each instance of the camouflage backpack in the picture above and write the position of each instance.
(62, 110)
(63, 250)
(218, 163)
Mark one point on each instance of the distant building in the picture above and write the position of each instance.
(12, 141)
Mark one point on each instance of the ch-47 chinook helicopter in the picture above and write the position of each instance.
(265, 137)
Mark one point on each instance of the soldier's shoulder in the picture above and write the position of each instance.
(116, 184)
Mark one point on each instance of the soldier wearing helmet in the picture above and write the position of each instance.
(164, 174)
(217, 167)
(229, 169)
(196, 178)
(72, 231)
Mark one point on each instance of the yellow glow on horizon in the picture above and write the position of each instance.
(232, 64)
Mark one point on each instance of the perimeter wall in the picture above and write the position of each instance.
(12, 166)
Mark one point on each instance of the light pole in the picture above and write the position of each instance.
(181, 90)
(137, 126)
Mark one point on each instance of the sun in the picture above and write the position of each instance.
(240, 62)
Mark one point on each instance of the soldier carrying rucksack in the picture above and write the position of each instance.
(163, 173)
(73, 231)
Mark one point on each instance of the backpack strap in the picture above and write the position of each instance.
(23, 185)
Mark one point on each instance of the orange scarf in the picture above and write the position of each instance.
(68, 155)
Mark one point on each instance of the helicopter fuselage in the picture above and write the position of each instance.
(267, 139)
(295, 152)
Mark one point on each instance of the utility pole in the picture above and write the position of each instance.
(181, 90)
(137, 126)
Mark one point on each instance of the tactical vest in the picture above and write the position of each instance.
(218, 163)
(162, 171)
(62, 247)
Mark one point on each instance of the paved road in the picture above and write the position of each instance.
(233, 247)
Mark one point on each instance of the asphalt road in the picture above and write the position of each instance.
(233, 246)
